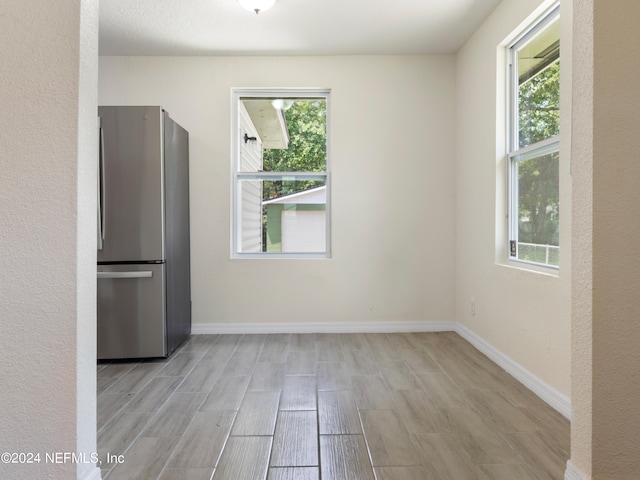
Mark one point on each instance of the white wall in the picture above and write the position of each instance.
(392, 153)
(523, 314)
(48, 162)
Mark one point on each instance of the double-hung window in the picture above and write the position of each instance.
(280, 174)
(534, 144)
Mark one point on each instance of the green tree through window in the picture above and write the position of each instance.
(539, 177)
(307, 151)
(534, 147)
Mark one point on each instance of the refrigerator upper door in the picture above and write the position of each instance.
(132, 184)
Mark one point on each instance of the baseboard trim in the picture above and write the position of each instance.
(572, 473)
(321, 327)
(550, 395)
(92, 474)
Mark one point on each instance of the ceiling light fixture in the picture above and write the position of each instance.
(257, 5)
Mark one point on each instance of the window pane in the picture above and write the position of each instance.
(283, 134)
(538, 209)
(285, 215)
(538, 65)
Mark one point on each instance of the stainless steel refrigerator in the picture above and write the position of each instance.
(144, 292)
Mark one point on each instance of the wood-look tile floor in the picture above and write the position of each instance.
(405, 406)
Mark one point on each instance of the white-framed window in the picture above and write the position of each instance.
(281, 181)
(533, 143)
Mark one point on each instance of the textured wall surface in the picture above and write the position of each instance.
(582, 226)
(392, 143)
(87, 168)
(606, 306)
(524, 314)
(616, 234)
(40, 225)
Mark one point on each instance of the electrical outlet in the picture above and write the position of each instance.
(473, 307)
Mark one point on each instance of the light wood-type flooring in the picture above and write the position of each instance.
(363, 406)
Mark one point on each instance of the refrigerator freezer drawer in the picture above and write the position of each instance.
(131, 311)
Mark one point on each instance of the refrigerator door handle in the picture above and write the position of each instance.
(141, 274)
(101, 190)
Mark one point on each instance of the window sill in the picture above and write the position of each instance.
(553, 272)
(280, 256)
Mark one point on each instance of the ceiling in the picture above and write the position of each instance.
(291, 27)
